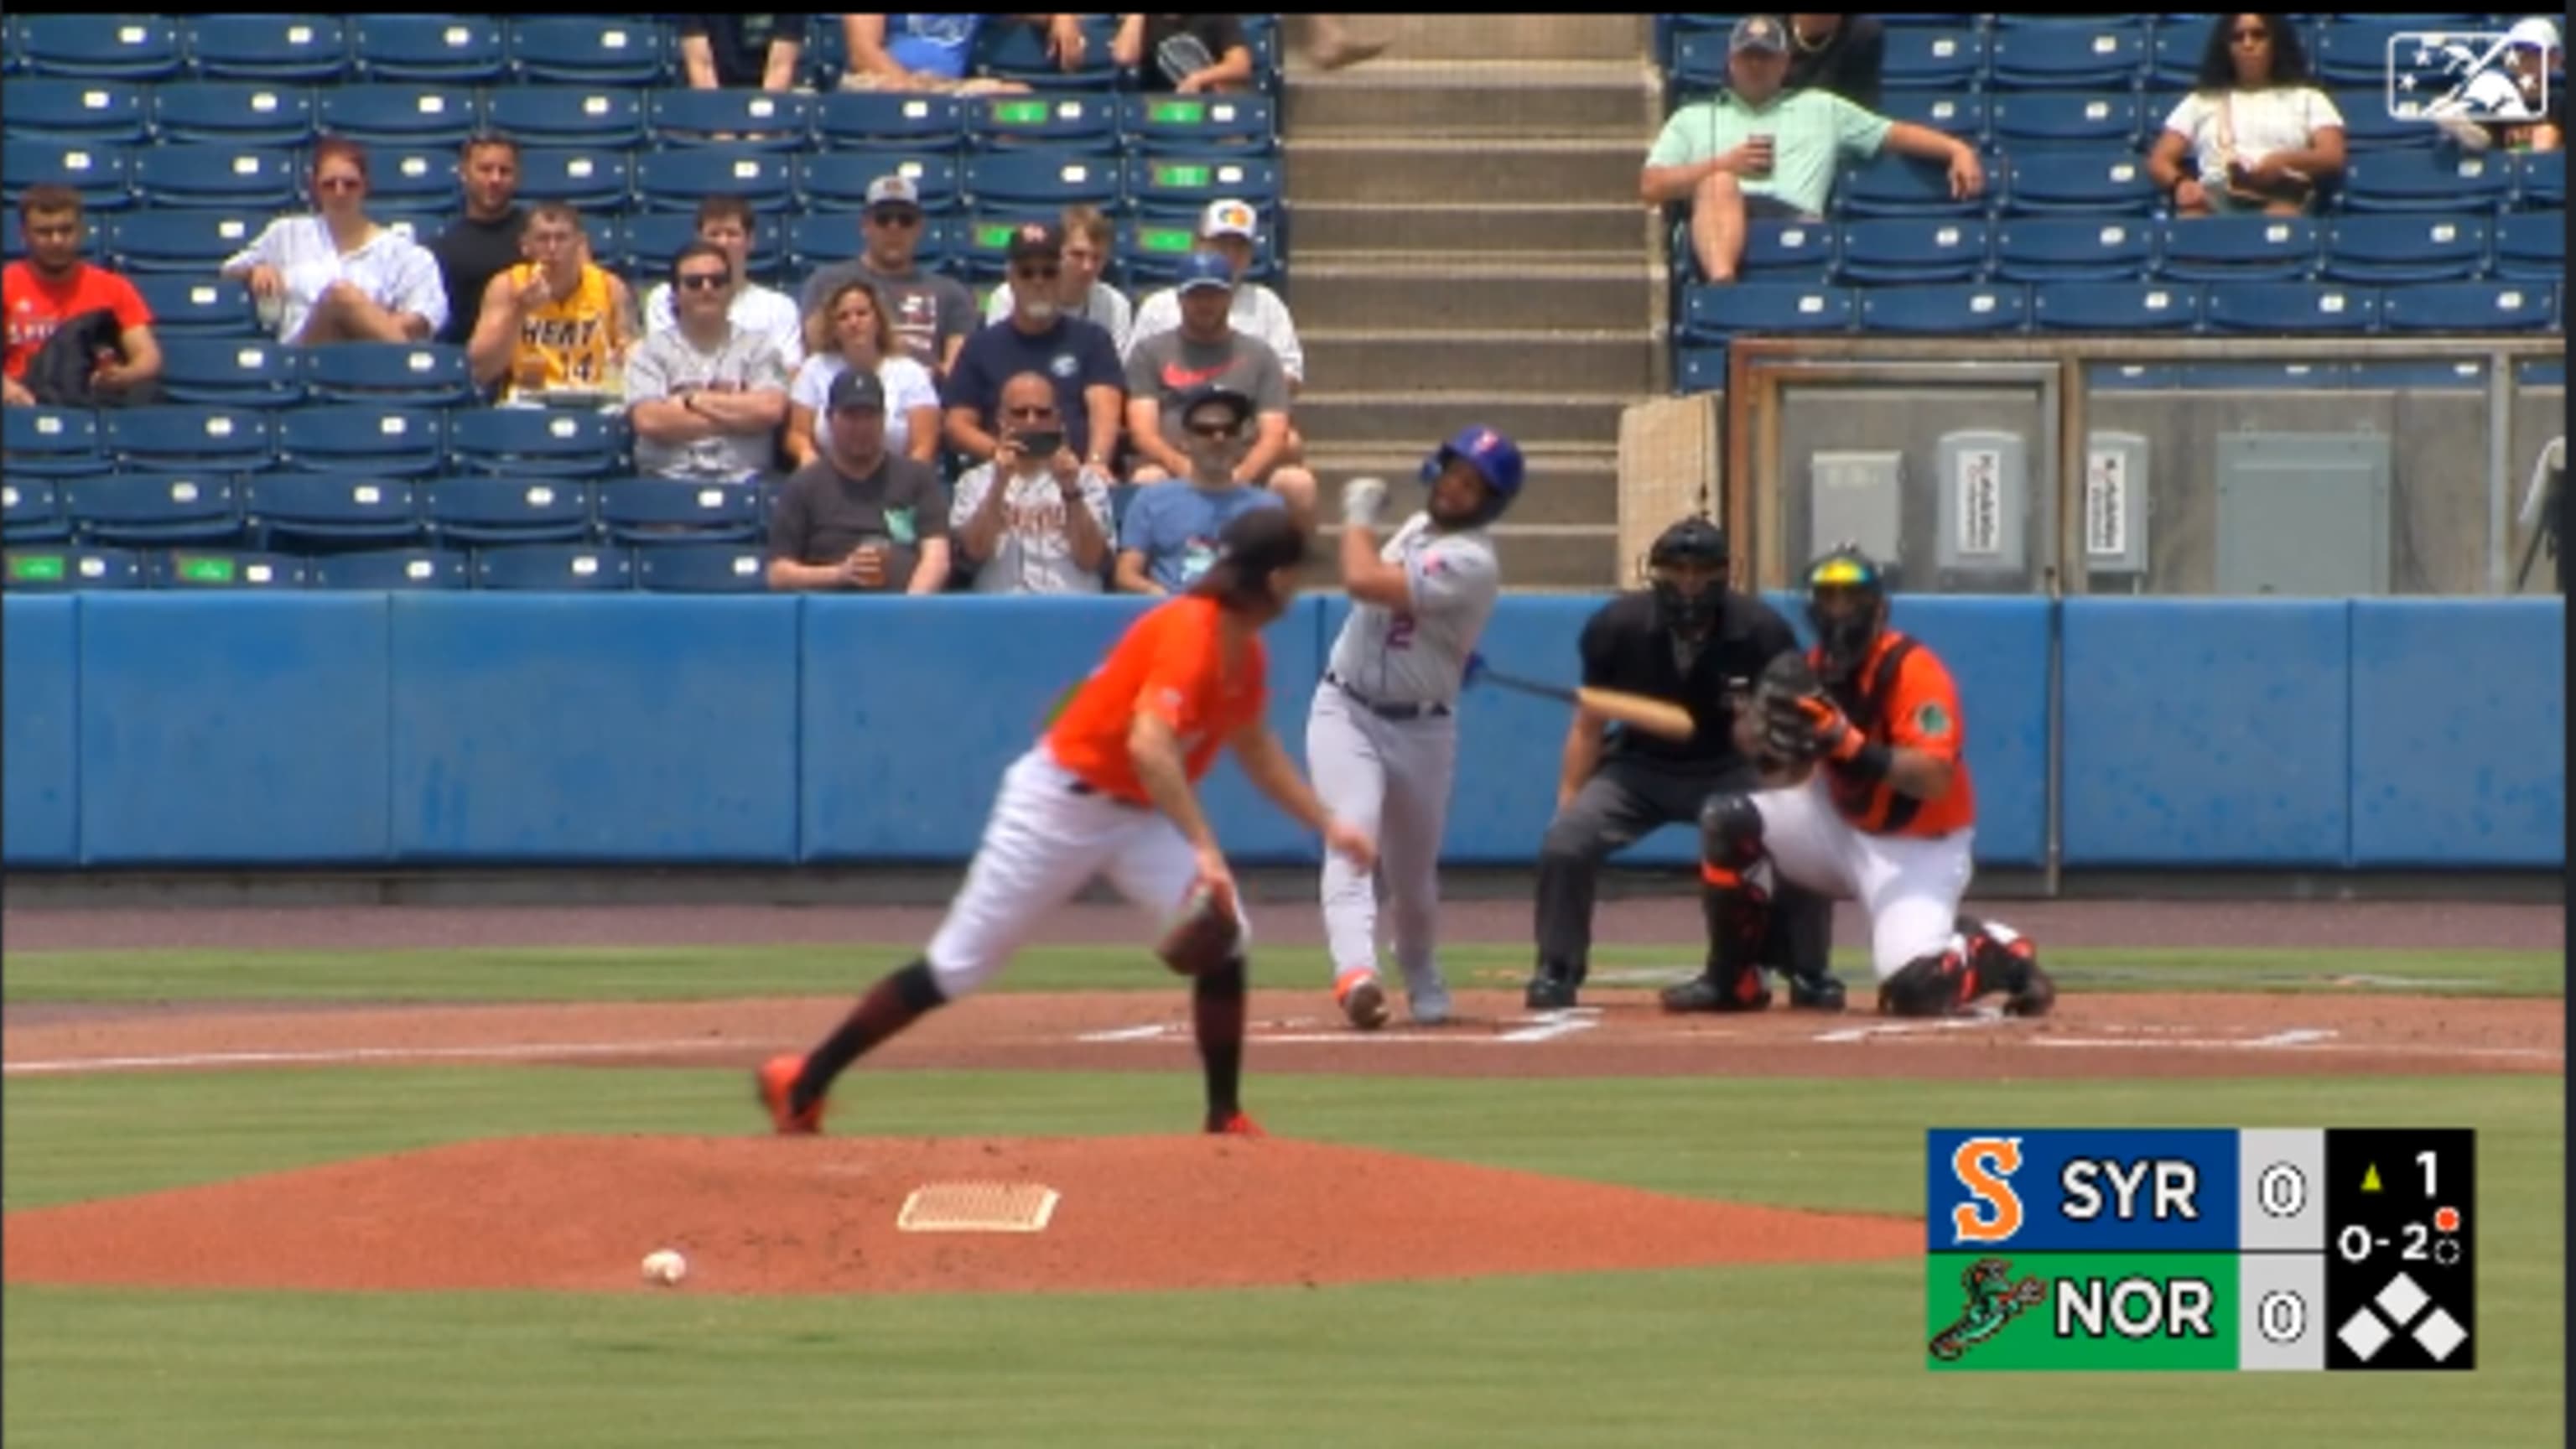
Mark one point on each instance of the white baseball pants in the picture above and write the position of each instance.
(1910, 885)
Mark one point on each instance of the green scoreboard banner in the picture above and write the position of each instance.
(2226, 1250)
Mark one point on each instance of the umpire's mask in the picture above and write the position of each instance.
(1688, 568)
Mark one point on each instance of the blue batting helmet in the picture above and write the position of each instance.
(1497, 459)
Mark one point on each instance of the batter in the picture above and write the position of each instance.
(1110, 790)
(1382, 733)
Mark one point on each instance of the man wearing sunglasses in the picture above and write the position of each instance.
(932, 314)
(1075, 355)
(1207, 349)
(706, 397)
(1169, 539)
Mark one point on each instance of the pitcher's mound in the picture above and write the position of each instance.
(818, 1215)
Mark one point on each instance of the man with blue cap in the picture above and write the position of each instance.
(1382, 733)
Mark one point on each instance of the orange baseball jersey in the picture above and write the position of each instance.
(1902, 696)
(1170, 663)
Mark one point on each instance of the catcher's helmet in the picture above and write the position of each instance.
(1692, 541)
(1496, 459)
(1844, 634)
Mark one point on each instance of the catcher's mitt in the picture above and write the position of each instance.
(1784, 711)
(1204, 933)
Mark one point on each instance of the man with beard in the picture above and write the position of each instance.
(53, 288)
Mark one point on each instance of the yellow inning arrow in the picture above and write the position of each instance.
(2370, 1179)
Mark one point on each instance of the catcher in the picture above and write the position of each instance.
(1868, 799)
(1109, 790)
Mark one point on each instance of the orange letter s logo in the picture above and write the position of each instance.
(1984, 1166)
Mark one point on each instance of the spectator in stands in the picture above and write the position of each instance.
(1077, 356)
(1843, 54)
(1755, 150)
(557, 323)
(934, 52)
(728, 223)
(1034, 520)
(52, 292)
(859, 517)
(1169, 536)
(337, 276)
(721, 50)
(1232, 229)
(1185, 54)
(706, 397)
(854, 330)
(932, 313)
(484, 242)
(2259, 134)
(2520, 105)
(1206, 350)
(1088, 234)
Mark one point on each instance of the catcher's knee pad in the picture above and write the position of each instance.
(1930, 985)
(1730, 835)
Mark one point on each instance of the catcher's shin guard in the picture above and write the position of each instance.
(1736, 910)
(2006, 961)
(1939, 984)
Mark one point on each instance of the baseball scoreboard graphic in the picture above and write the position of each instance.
(2210, 1250)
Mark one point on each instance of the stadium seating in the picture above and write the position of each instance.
(277, 49)
(1044, 179)
(1964, 116)
(391, 569)
(1717, 313)
(525, 442)
(1786, 251)
(2047, 120)
(2469, 307)
(1903, 250)
(2435, 179)
(432, 49)
(2110, 181)
(1069, 120)
(554, 568)
(590, 179)
(2114, 307)
(702, 568)
(98, 172)
(1196, 125)
(668, 510)
(590, 50)
(31, 511)
(576, 117)
(2531, 246)
(1960, 311)
(388, 442)
(1179, 187)
(141, 509)
(2072, 53)
(51, 443)
(230, 372)
(176, 437)
(1933, 58)
(330, 510)
(2385, 249)
(399, 114)
(233, 113)
(101, 47)
(491, 510)
(185, 568)
(2073, 249)
(390, 374)
(2290, 308)
(679, 180)
(66, 108)
(886, 118)
(2240, 249)
(52, 569)
(237, 178)
(191, 242)
(744, 117)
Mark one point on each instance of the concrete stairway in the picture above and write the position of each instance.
(1467, 247)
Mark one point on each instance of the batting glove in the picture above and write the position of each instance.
(1362, 498)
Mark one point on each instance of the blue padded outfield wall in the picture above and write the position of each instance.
(265, 730)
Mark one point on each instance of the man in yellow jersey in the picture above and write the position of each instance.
(555, 322)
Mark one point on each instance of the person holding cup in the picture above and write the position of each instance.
(337, 275)
(1758, 150)
(860, 518)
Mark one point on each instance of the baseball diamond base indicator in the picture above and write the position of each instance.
(2253, 1249)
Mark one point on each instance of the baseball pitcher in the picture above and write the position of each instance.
(1382, 733)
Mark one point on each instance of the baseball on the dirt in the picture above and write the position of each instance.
(665, 1267)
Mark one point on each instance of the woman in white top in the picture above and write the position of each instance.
(336, 276)
(2259, 134)
(853, 329)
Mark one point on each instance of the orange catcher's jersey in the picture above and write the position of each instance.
(1170, 663)
(1902, 697)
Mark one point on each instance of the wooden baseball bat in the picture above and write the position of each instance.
(1654, 716)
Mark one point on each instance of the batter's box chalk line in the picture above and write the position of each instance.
(977, 1207)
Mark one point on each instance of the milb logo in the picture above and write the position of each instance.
(2484, 76)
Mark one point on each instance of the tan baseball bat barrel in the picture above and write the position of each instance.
(1654, 716)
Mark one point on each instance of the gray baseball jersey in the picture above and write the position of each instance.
(1417, 656)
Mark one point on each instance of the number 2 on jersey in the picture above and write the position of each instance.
(1399, 632)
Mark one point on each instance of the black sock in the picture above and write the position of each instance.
(1216, 1013)
(895, 1002)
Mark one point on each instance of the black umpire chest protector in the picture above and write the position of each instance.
(1642, 658)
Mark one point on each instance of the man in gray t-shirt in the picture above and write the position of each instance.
(859, 517)
(706, 398)
(932, 313)
(1205, 351)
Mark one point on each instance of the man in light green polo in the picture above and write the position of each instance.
(1754, 150)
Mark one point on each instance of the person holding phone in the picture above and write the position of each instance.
(859, 518)
(1034, 520)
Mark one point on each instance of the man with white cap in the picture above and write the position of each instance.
(2516, 100)
(932, 314)
(1231, 229)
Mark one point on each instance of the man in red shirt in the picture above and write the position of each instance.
(53, 286)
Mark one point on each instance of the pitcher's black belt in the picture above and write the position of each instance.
(1387, 711)
(1085, 787)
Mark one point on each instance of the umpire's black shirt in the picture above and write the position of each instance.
(1626, 647)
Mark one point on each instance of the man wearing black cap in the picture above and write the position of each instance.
(1688, 639)
(1169, 537)
(932, 314)
(858, 517)
(1076, 355)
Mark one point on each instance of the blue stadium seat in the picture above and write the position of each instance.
(43, 569)
(393, 114)
(1178, 187)
(1074, 120)
(1722, 313)
(233, 113)
(772, 122)
(669, 510)
(97, 171)
(242, 178)
(576, 117)
(331, 510)
(2068, 54)
(538, 442)
(245, 372)
(1699, 62)
(2435, 179)
(1932, 58)
(2114, 307)
(279, 49)
(43, 442)
(979, 254)
(2291, 307)
(1895, 250)
(702, 568)
(390, 374)
(838, 181)
(101, 47)
(412, 180)
(591, 50)
(1149, 251)
(655, 237)
(31, 511)
(65, 108)
(389, 442)
(2041, 119)
(507, 510)
(127, 510)
(816, 239)
(1008, 49)
(2353, 52)
(2173, 58)
(1199, 125)
(554, 568)
(2368, 126)
(393, 568)
(2390, 249)
(2239, 249)
(2073, 249)
(2468, 307)
(2540, 180)
(1041, 178)
(2531, 246)
(427, 49)
(2108, 182)
(179, 437)
(885, 118)
(1699, 369)
(1953, 113)
(188, 568)
(1890, 184)
(679, 180)
(1946, 310)
(590, 178)
(1785, 251)
(191, 243)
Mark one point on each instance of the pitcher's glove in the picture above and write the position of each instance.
(1203, 935)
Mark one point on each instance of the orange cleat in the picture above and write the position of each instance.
(777, 1083)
